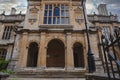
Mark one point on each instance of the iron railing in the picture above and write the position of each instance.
(111, 54)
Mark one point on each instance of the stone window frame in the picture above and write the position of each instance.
(49, 15)
(7, 32)
(3, 53)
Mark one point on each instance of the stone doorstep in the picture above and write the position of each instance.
(51, 70)
(49, 74)
(46, 79)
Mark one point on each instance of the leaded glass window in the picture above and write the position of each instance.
(7, 32)
(3, 53)
(56, 14)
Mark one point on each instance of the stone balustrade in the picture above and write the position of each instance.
(102, 18)
(9, 18)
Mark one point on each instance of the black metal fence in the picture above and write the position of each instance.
(111, 52)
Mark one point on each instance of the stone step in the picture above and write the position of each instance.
(99, 65)
(46, 79)
(49, 75)
(98, 61)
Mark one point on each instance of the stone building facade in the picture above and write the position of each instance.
(8, 24)
(52, 36)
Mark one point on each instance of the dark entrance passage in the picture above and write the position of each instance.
(32, 55)
(55, 54)
(78, 55)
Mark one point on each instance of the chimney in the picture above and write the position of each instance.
(102, 9)
(13, 11)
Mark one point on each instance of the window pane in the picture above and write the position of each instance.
(50, 13)
(62, 20)
(56, 11)
(58, 20)
(62, 6)
(45, 13)
(67, 20)
(45, 20)
(50, 7)
(46, 6)
(67, 14)
(66, 8)
(54, 20)
(62, 13)
(49, 20)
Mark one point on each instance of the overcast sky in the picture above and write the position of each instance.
(112, 5)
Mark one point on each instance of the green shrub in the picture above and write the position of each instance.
(8, 71)
(3, 64)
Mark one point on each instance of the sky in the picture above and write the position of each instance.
(91, 5)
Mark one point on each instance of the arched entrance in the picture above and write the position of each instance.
(78, 55)
(55, 54)
(32, 55)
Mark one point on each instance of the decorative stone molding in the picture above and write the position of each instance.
(56, 26)
(78, 10)
(33, 12)
(33, 3)
(32, 20)
(79, 21)
(76, 3)
(78, 15)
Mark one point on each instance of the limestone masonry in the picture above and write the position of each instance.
(51, 36)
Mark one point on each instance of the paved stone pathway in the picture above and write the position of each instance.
(46, 79)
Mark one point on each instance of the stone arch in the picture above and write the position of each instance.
(32, 54)
(50, 39)
(55, 53)
(78, 54)
(77, 41)
(31, 41)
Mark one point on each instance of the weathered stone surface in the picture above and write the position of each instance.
(46, 79)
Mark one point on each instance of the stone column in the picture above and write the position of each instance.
(23, 51)
(42, 52)
(1, 30)
(9, 50)
(69, 53)
(85, 47)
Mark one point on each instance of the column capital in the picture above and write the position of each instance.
(42, 33)
(68, 33)
(25, 33)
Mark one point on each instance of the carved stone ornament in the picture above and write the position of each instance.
(33, 13)
(32, 20)
(79, 21)
(34, 10)
(78, 15)
(78, 9)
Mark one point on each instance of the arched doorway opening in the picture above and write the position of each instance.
(78, 55)
(32, 55)
(55, 54)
